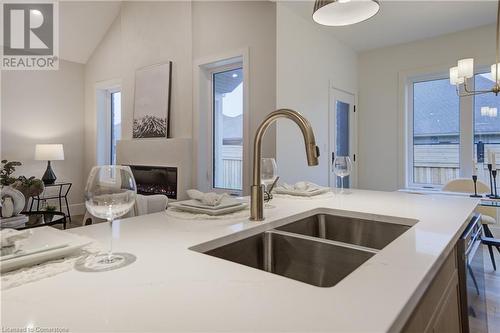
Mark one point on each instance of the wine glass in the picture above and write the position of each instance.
(268, 173)
(110, 193)
(342, 167)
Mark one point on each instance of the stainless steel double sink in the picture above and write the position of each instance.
(319, 250)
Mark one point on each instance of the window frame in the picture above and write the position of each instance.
(466, 129)
(109, 93)
(202, 110)
(224, 67)
(102, 125)
(213, 73)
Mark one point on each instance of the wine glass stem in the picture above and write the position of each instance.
(341, 184)
(110, 252)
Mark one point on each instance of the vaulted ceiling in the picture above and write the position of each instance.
(82, 25)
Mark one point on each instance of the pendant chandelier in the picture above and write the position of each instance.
(465, 70)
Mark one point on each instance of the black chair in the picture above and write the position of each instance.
(491, 242)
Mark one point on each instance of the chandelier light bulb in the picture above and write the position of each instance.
(454, 76)
(495, 72)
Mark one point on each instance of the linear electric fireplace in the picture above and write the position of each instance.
(155, 180)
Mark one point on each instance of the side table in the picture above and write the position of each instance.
(61, 195)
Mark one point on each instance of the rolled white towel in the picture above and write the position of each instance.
(211, 198)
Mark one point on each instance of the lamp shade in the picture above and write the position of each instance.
(485, 111)
(344, 12)
(495, 72)
(493, 112)
(49, 152)
(466, 68)
(454, 78)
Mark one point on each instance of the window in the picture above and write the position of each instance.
(436, 133)
(108, 121)
(116, 123)
(486, 124)
(447, 132)
(227, 132)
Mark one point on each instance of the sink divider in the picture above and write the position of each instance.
(268, 244)
(268, 252)
(322, 226)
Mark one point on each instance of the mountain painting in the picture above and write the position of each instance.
(152, 101)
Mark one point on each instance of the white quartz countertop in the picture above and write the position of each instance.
(173, 288)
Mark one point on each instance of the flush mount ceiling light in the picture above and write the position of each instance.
(460, 74)
(344, 12)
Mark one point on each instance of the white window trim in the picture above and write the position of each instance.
(109, 93)
(235, 64)
(409, 130)
(103, 91)
(202, 144)
(405, 121)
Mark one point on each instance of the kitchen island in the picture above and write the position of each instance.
(172, 287)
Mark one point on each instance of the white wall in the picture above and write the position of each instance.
(154, 32)
(45, 107)
(103, 68)
(380, 159)
(220, 28)
(145, 33)
(308, 59)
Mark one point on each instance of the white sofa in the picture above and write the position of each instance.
(144, 204)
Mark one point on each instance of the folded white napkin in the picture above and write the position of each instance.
(9, 239)
(301, 189)
(210, 199)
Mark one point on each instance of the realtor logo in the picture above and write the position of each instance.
(29, 36)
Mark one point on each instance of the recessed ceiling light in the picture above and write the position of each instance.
(235, 75)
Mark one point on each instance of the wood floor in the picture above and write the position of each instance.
(492, 279)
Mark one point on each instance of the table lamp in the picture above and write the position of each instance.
(49, 152)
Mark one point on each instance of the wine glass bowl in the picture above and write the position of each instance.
(342, 167)
(268, 175)
(268, 171)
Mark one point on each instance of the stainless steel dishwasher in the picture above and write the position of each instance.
(471, 279)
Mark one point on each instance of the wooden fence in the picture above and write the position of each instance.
(438, 164)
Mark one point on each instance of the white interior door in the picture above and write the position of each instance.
(342, 132)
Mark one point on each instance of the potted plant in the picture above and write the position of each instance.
(29, 187)
(49, 212)
(8, 168)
